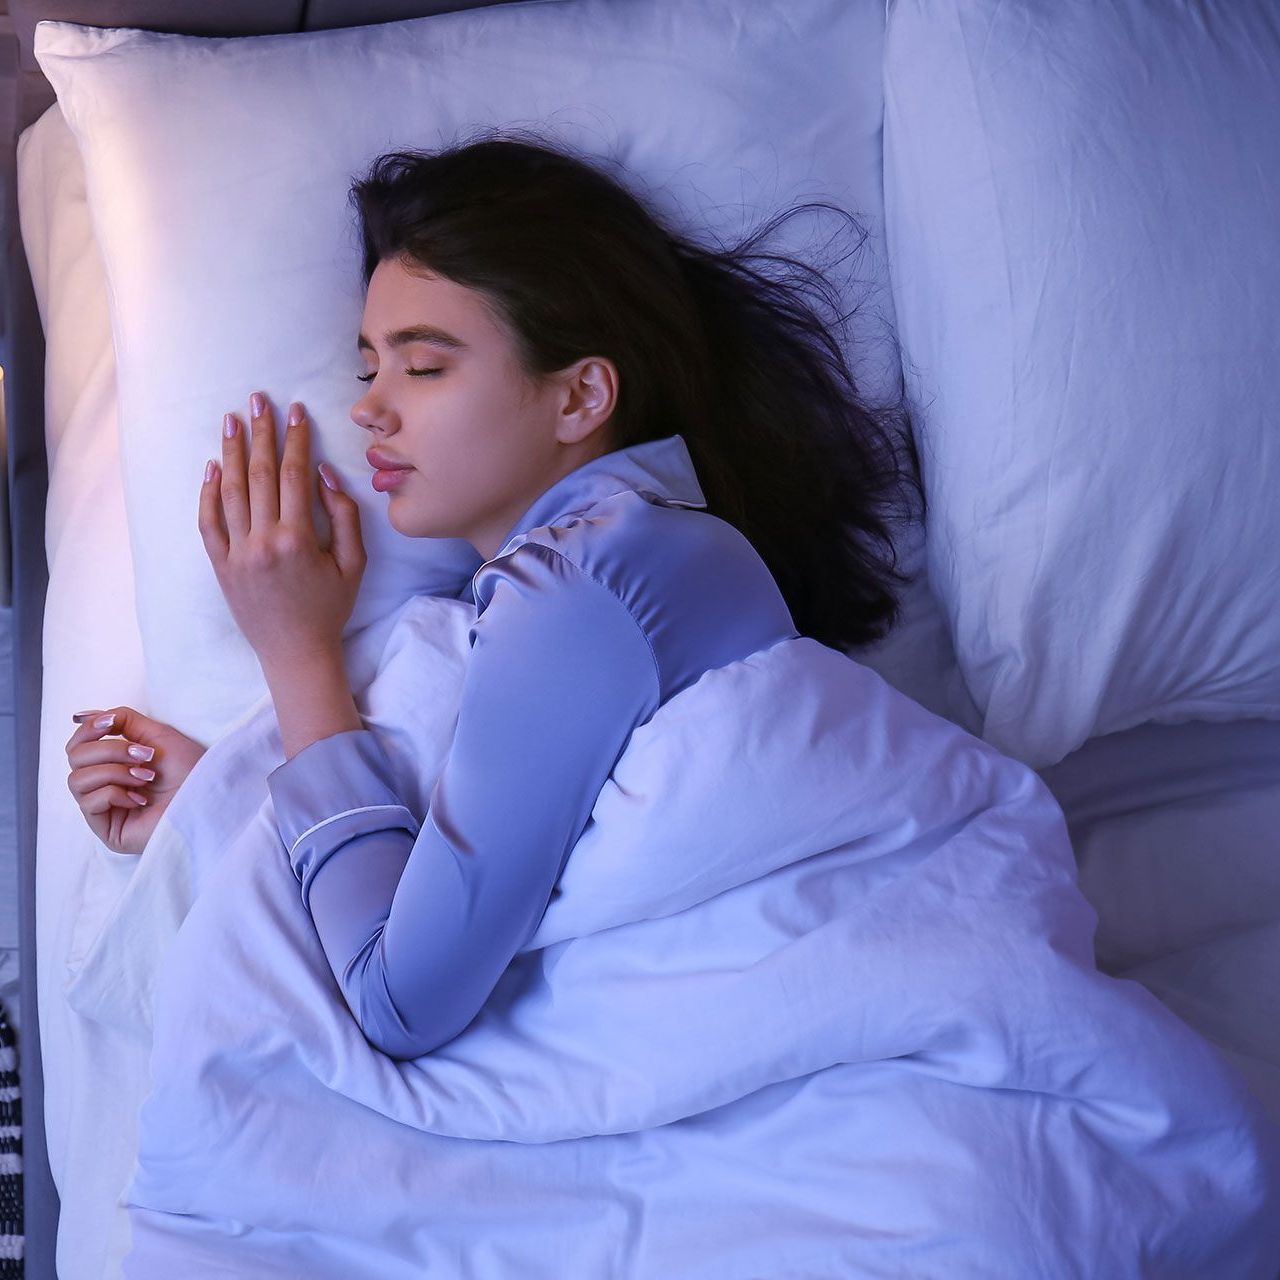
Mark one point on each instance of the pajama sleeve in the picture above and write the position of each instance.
(418, 920)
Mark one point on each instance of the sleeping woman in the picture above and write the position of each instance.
(659, 453)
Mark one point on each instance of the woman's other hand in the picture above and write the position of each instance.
(103, 785)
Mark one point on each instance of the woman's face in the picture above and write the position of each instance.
(483, 441)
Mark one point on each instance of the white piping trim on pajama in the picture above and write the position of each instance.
(363, 809)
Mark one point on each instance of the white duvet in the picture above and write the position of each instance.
(814, 997)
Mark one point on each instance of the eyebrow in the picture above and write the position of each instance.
(414, 333)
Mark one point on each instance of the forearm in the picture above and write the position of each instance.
(414, 985)
(349, 839)
(313, 700)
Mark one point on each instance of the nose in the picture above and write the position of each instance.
(368, 412)
(360, 411)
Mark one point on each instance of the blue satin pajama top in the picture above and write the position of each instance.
(611, 594)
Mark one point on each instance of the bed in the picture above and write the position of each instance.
(1098, 571)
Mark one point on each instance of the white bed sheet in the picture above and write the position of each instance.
(1142, 849)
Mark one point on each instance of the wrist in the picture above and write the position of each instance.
(312, 699)
(288, 668)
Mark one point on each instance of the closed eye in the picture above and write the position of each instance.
(413, 373)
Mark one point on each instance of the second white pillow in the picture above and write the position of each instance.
(1081, 208)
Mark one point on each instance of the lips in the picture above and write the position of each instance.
(388, 478)
(385, 462)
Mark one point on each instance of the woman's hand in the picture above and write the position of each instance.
(104, 786)
(290, 598)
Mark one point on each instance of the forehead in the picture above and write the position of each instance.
(404, 306)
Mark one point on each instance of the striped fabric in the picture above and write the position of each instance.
(11, 1236)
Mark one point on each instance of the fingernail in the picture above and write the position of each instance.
(145, 774)
(134, 795)
(105, 722)
(229, 421)
(141, 753)
(256, 403)
(328, 477)
(208, 471)
(295, 414)
(81, 716)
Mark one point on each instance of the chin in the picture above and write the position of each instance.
(402, 521)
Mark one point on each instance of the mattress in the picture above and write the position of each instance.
(1174, 826)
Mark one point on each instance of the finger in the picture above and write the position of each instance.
(124, 724)
(234, 489)
(104, 798)
(116, 750)
(89, 778)
(91, 729)
(264, 473)
(295, 498)
(106, 818)
(211, 518)
(347, 543)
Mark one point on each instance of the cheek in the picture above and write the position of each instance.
(487, 396)
(480, 420)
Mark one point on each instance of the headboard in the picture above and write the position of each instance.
(25, 95)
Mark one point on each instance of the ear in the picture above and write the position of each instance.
(591, 394)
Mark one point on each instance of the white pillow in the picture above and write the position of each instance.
(219, 168)
(1082, 206)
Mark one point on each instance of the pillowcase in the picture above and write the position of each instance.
(218, 173)
(1081, 209)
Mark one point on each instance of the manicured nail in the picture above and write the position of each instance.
(295, 414)
(256, 403)
(208, 471)
(229, 423)
(81, 716)
(328, 477)
(134, 795)
(141, 753)
(105, 722)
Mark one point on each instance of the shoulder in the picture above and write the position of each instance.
(688, 584)
(672, 566)
(540, 598)
(672, 570)
(622, 544)
(629, 538)
(658, 560)
(548, 635)
(545, 570)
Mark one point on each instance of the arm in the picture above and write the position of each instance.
(419, 921)
(312, 700)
